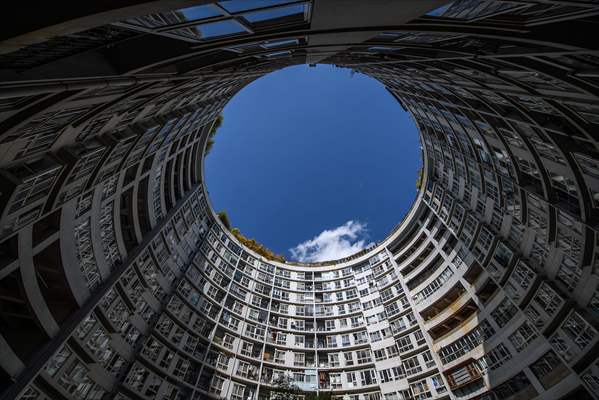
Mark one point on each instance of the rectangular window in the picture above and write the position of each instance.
(504, 312)
(299, 359)
(549, 369)
(349, 359)
(411, 365)
(351, 379)
(523, 336)
(367, 377)
(363, 356)
(496, 357)
(334, 360)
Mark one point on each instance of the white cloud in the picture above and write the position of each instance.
(333, 244)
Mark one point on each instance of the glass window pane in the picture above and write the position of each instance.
(244, 5)
(222, 28)
(274, 13)
(279, 54)
(211, 30)
(439, 11)
(199, 12)
(279, 43)
(176, 16)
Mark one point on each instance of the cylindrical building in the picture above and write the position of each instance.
(118, 281)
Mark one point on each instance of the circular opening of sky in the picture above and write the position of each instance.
(315, 163)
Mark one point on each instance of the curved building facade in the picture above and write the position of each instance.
(117, 281)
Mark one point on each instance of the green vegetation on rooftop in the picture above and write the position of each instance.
(251, 244)
(213, 131)
(419, 180)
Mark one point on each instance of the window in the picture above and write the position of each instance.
(514, 385)
(222, 361)
(385, 376)
(334, 360)
(228, 341)
(392, 351)
(398, 325)
(330, 325)
(438, 384)
(238, 392)
(331, 341)
(398, 372)
(299, 359)
(259, 16)
(31, 394)
(299, 377)
(349, 359)
(246, 370)
(379, 355)
(502, 255)
(58, 360)
(351, 379)
(591, 377)
(367, 377)
(254, 331)
(375, 336)
(581, 333)
(549, 300)
(421, 390)
(281, 338)
(361, 337)
(217, 384)
(496, 357)
(504, 312)
(75, 381)
(522, 275)
(547, 369)
(419, 337)
(431, 288)
(428, 359)
(404, 343)
(246, 348)
(411, 365)
(345, 341)
(523, 336)
(335, 379)
(298, 324)
(279, 357)
(363, 356)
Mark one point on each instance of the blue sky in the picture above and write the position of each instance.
(314, 163)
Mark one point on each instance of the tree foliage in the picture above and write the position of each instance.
(224, 218)
(259, 248)
(251, 244)
(213, 131)
(285, 388)
(419, 180)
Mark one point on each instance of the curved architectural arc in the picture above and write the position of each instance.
(117, 281)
